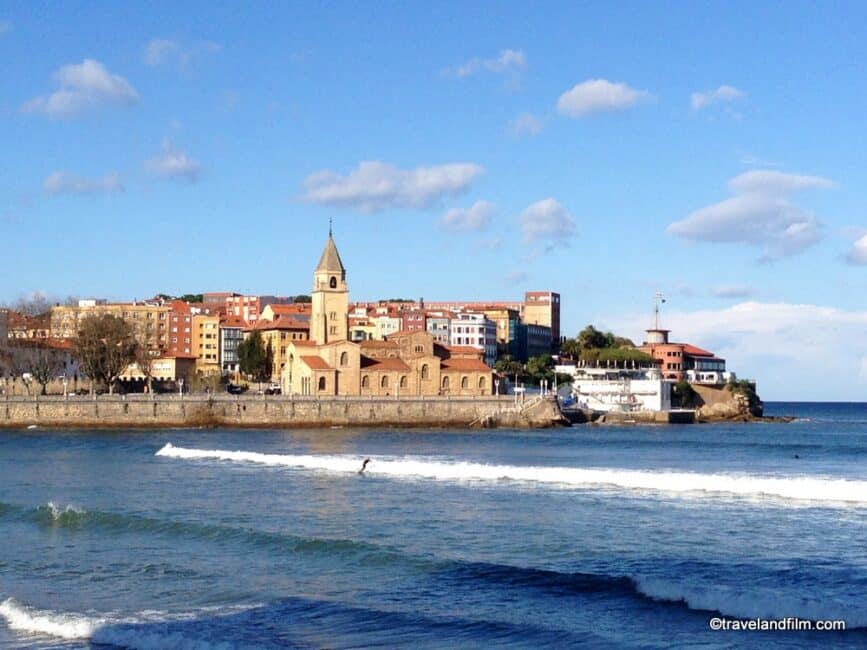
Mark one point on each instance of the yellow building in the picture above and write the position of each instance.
(406, 363)
(206, 343)
(277, 335)
(148, 320)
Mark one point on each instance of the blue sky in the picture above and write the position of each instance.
(715, 152)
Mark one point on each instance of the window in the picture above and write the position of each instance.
(332, 315)
(344, 359)
(365, 382)
(482, 383)
(425, 372)
(332, 329)
(445, 383)
(333, 282)
(465, 382)
(403, 382)
(383, 383)
(322, 383)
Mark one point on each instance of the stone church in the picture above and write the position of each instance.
(406, 363)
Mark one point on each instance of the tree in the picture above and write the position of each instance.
(507, 366)
(105, 347)
(590, 338)
(255, 358)
(539, 368)
(145, 362)
(43, 364)
(302, 298)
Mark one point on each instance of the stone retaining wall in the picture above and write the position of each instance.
(271, 411)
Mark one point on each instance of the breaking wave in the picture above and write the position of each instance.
(152, 632)
(799, 488)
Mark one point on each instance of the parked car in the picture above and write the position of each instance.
(234, 389)
(273, 389)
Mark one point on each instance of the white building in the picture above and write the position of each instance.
(385, 325)
(610, 389)
(477, 331)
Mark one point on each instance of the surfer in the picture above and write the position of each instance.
(364, 466)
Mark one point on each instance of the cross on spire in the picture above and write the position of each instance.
(330, 219)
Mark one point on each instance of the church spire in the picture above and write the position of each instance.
(330, 261)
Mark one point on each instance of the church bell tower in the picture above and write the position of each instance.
(329, 317)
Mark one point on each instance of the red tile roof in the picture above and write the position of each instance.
(315, 363)
(696, 352)
(391, 363)
(304, 343)
(465, 365)
(281, 323)
(379, 344)
(233, 321)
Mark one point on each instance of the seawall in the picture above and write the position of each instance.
(146, 411)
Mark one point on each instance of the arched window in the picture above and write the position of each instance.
(465, 382)
(344, 359)
(322, 383)
(482, 383)
(446, 382)
(383, 383)
(425, 371)
(333, 282)
(403, 382)
(365, 382)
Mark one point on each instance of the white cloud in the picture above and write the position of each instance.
(175, 164)
(598, 96)
(84, 86)
(776, 183)
(526, 124)
(699, 101)
(506, 61)
(475, 217)
(794, 351)
(65, 183)
(546, 219)
(760, 214)
(374, 186)
(161, 51)
(858, 253)
(732, 291)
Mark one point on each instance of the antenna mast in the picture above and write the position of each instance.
(657, 300)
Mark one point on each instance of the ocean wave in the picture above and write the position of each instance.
(32, 621)
(150, 631)
(62, 516)
(73, 517)
(746, 602)
(743, 602)
(800, 488)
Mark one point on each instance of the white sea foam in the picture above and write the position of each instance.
(802, 488)
(58, 511)
(65, 626)
(122, 632)
(753, 602)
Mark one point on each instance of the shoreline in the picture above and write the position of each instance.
(292, 412)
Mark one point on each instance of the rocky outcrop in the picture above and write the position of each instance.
(722, 403)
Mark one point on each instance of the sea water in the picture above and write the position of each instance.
(609, 537)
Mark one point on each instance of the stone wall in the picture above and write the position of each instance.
(272, 411)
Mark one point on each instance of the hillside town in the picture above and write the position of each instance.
(322, 344)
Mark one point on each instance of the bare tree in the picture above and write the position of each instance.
(41, 362)
(145, 362)
(105, 347)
